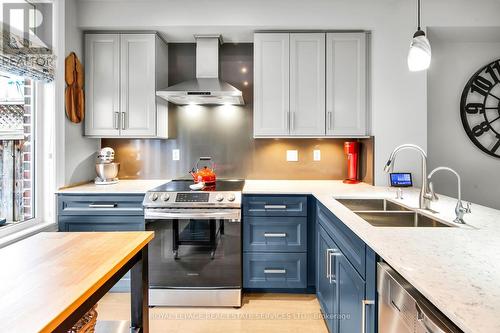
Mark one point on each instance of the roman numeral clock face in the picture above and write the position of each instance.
(480, 108)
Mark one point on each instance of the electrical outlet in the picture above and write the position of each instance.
(292, 155)
(176, 155)
(317, 155)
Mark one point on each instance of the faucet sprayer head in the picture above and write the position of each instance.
(387, 167)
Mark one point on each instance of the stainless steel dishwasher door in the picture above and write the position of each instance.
(402, 309)
(395, 310)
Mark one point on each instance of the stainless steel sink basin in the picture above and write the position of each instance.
(372, 205)
(385, 213)
(400, 219)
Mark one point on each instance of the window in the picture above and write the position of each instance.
(17, 150)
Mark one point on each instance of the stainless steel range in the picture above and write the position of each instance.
(195, 257)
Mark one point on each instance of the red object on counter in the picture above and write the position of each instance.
(351, 149)
(206, 175)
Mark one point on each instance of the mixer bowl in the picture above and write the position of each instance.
(107, 171)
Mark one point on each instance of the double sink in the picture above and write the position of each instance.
(385, 213)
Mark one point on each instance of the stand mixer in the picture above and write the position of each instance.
(106, 169)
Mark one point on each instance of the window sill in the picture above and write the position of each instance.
(26, 232)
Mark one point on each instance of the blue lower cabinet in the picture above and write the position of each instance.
(275, 243)
(274, 270)
(343, 292)
(101, 212)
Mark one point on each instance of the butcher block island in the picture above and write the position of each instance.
(49, 281)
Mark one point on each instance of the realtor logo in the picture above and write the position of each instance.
(27, 27)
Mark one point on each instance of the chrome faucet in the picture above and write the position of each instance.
(460, 210)
(425, 194)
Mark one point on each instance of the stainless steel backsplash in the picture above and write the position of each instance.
(226, 134)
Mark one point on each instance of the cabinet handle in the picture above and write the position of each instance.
(333, 254)
(275, 235)
(274, 271)
(95, 205)
(292, 121)
(274, 206)
(116, 120)
(123, 120)
(364, 303)
(287, 120)
(329, 119)
(327, 258)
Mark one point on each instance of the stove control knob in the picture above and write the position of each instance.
(153, 197)
(219, 197)
(165, 196)
(231, 197)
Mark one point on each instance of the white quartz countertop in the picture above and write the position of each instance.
(457, 269)
(124, 186)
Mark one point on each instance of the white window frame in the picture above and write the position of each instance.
(49, 138)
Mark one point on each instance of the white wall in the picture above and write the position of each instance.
(455, 60)
(79, 151)
(398, 97)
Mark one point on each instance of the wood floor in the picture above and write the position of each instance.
(260, 313)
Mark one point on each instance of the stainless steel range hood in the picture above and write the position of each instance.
(207, 88)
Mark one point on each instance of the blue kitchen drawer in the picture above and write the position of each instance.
(274, 270)
(102, 204)
(257, 205)
(275, 234)
(348, 242)
(100, 223)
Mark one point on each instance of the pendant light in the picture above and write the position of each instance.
(419, 56)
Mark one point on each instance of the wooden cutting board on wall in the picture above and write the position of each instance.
(74, 96)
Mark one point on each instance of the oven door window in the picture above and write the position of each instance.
(188, 253)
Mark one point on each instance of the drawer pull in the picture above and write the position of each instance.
(95, 205)
(275, 235)
(274, 206)
(274, 271)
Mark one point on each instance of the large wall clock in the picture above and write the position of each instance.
(480, 108)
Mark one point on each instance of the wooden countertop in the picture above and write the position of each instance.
(44, 278)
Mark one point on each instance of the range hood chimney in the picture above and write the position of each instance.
(207, 88)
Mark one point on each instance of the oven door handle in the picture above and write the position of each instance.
(202, 214)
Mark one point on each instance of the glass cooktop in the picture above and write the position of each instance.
(182, 185)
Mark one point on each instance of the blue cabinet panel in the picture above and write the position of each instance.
(351, 293)
(257, 205)
(325, 289)
(349, 243)
(275, 234)
(100, 223)
(274, 270)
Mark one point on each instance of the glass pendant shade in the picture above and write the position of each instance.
(419, 56)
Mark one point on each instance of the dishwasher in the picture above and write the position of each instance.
(402, 309)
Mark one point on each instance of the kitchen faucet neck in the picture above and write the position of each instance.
(425, 195)
(460, 210)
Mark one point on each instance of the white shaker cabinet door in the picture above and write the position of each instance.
(346, 110)
(271, 84)
(307, 84)
(102, 87)
(138, 99)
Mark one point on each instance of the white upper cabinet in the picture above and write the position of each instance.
(102, 86)
(346, 84)
(122, 74)
(272, 84)
(307, 84)
(138, 90)
(310, 84)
